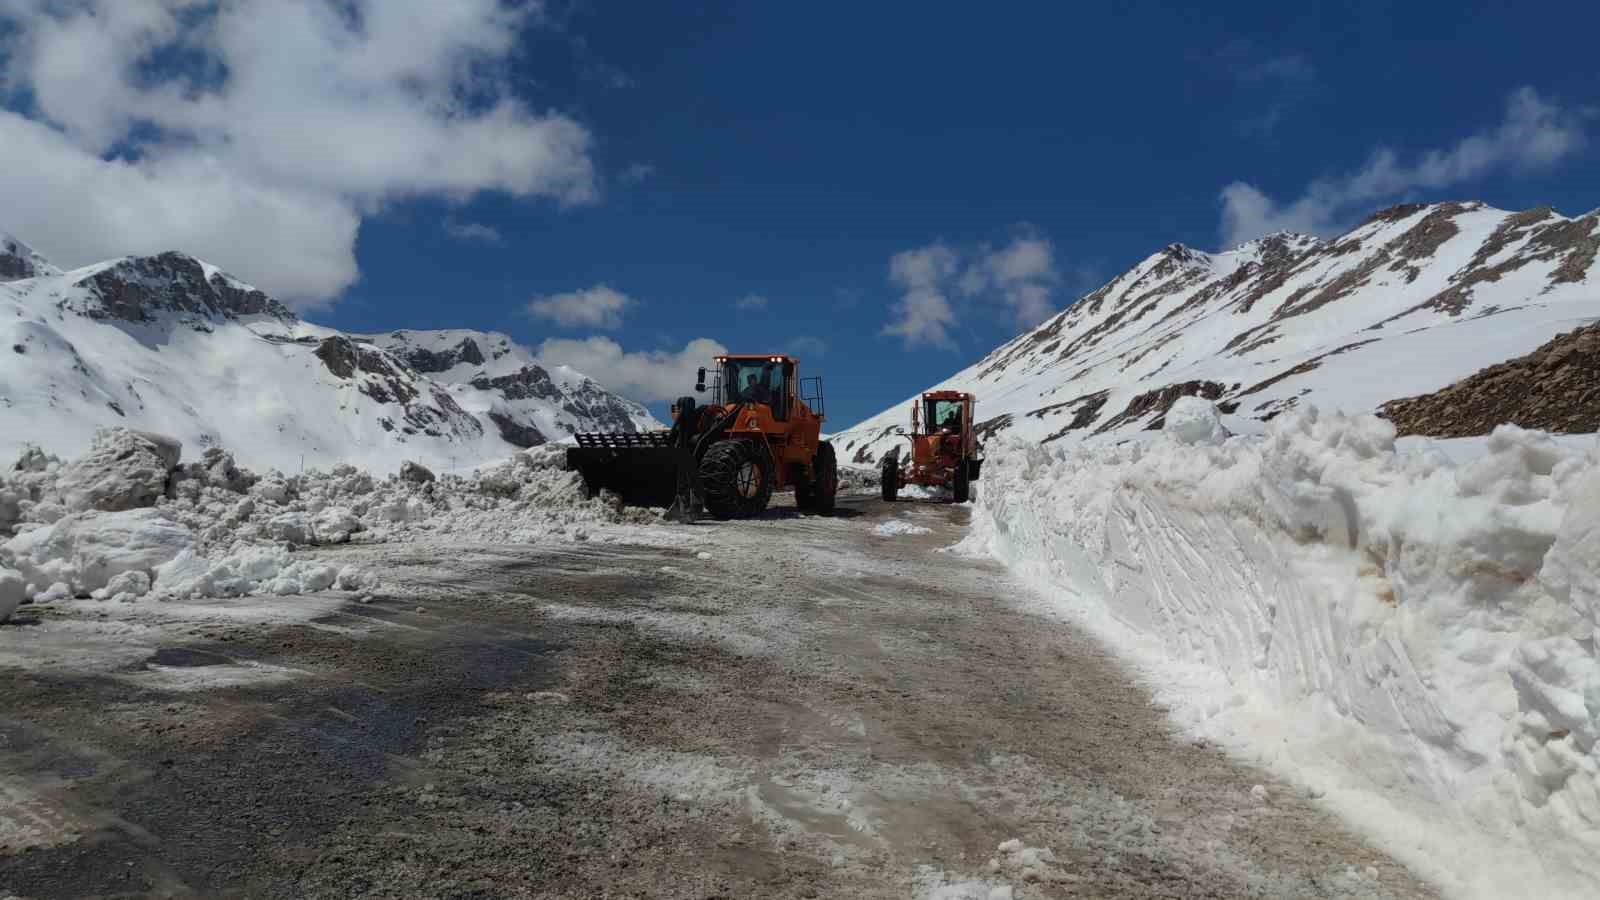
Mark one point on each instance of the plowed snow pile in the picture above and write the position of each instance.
(128, 521)
(1411, 636)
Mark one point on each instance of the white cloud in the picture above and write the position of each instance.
(1533, 134)
(807, 345)
(1020, 276)
(923, 315)
(472, 231)
(637, 172)
(646, 376)
(751, 301)
(1023, 274)
(1270, 87)
(287, 123)
(598, 307)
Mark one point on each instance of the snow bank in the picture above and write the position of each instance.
(85, 551)
(1411, 635)
(212, 529)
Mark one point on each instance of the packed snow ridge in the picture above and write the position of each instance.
(127, 521)
(1412, 300)
(172, 345)
(1410, 636)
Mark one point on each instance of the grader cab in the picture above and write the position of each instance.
(944, 447)
(761, 432)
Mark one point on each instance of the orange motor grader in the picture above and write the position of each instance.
(761, 432)
(945, 453)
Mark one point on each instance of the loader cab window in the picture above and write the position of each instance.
(755, 381)
(945, 414)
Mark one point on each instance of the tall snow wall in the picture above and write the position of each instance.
(1410, 638)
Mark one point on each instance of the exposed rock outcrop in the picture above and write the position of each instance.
(1554, 388)
(424, 360)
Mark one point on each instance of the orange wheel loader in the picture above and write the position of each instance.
(761, 432)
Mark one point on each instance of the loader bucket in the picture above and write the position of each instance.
(643, 468)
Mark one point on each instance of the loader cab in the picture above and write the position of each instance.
(767, 380)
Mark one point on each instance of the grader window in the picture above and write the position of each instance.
(944, 414)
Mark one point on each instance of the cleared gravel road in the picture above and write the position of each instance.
(814, 711)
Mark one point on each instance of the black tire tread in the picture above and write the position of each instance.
(826, 489)
(719, 468)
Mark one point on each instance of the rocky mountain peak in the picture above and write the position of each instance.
(144, 288)
(19, 261)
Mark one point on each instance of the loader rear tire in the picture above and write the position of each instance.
(736, 476)
(825, 491)
(890, 478)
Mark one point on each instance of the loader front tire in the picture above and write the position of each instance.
(736, 476)
(826, 490)
(890, 478)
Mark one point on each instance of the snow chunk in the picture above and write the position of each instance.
(216, 468)
(253, 569)
(87, 550)
(334, 525)
(135, 584)
(274, 490)
(895, 527)
(415, 472)
(1195, 420)
(294, 527)
(125, 470)
(11, 590)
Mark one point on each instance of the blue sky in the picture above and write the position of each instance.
(891, 190)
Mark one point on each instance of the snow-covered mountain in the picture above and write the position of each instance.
(171, 344)
(1410, 301)
(498, 379)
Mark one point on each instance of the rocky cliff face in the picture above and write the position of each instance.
(1413, 299)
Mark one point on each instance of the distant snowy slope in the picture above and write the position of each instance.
(1414, 299)
(171, 344)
